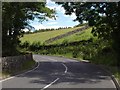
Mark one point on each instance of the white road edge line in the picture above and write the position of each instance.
(66, 69)
(50, 84)
(113, 81)
(19, 74)
(113, 84)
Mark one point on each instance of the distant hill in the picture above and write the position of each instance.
(43, 36)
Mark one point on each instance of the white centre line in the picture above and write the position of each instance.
(66, 69)
(50, 84)
(57, 78)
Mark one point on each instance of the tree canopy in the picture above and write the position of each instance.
(103, 16)
(16, 16)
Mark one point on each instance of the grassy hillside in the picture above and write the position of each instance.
(83, 35)
(42, 36)
(82, 45)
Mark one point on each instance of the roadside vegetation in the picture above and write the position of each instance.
(103, 17)
(82, 46)
(15, 19)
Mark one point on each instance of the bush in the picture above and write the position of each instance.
(74, 54)
(35, 46)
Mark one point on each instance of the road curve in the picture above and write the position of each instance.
(57, 72)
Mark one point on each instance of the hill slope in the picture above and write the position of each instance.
(66, 34)
(83, 35)
(43, 36)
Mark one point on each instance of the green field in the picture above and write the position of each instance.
(43, 36)
(83, 35)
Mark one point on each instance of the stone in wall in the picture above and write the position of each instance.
(14, 63)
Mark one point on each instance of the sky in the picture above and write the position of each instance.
(61, 21)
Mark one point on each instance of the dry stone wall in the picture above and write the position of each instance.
(15, 62)
(66, 34)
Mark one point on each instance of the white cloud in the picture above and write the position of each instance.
(56, 7)
(37, 27)
(73, 16)
(26, 30)
(50, 2)
(60, 9)
(52, 23)
(51, 19)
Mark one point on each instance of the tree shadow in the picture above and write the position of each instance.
(78, 72)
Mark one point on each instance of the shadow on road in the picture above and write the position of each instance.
(78, 72)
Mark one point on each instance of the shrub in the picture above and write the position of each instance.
(74, 54)
(35, 46)
(25, 44)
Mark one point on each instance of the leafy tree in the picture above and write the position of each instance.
(16, 17)
(103, 16)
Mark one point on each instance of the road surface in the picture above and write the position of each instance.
(57, 72)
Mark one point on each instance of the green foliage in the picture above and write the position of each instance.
(104, 16)
(35, 46)
(96, 50)
(26, 44)
(16, 16)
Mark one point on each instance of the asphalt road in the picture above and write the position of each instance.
(56, 72)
